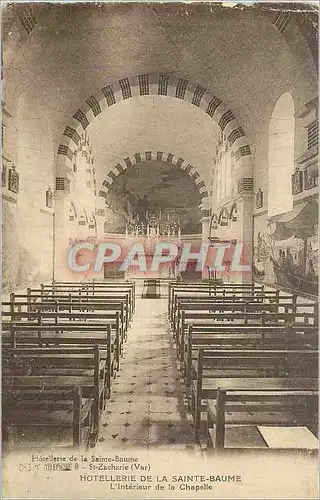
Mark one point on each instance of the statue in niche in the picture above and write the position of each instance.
(137, 208)
(13, 180)
(143, 206)
(49, 198)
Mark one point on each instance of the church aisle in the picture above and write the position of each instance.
(147, 407)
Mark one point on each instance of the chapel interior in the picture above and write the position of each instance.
(144, 123)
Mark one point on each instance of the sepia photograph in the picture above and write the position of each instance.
(160, 250)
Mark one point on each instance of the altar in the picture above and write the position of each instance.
(149, 233)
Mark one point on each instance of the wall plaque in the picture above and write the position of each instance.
(49, 198)
(13, 180)
(296, 182)
(259, 199)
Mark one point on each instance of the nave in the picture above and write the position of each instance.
(212, 366)
(160, 242)
(148, 406)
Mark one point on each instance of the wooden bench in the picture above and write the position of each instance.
(308, 312)
(46, 408)
(244, 337)
(59, 366)
(92, 288)
(213, 366)
(268, 407)
(20, 302)
(91, 285)
(44, 317)
(85, 302)
(67, 335)
(288, 303)
(228, 296)
(236, 319)
(105, 300)
(92, 311)
(211, 290)
(241, 307)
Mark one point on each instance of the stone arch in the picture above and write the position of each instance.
(234, 213)
(160, 85)
(72, 212)
(281, 155)
(224, 217)
(177, 161)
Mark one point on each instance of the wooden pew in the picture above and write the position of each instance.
(44, 317)
(93, 310)
(275, 365)
(212, 290)
(234, 319)
(27, 406)
(67, 335)
(77, 297)
(207, 287)
(91, 285)
(269, 407)
(19, 303)
(266, 297)
(59, 366)
(104, 300)
(183, 302)
(244, 337)
(92, 288)
(248, 306)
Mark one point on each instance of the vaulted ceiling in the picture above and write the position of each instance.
(153, 123)
(245, 58)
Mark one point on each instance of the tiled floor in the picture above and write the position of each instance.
(147, 406)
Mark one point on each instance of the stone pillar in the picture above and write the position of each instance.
(100, 220)
(245, 214)
(205, 222)
(61, 231)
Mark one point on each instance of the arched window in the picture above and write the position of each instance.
(281, 156)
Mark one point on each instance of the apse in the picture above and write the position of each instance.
(160, 188)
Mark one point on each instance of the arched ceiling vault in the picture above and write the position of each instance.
(74, 51)
(159, 156)
(159, 85)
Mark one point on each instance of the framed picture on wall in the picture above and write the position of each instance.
(259, 199)
(296, 180)
(13, 180)
(49, 198)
